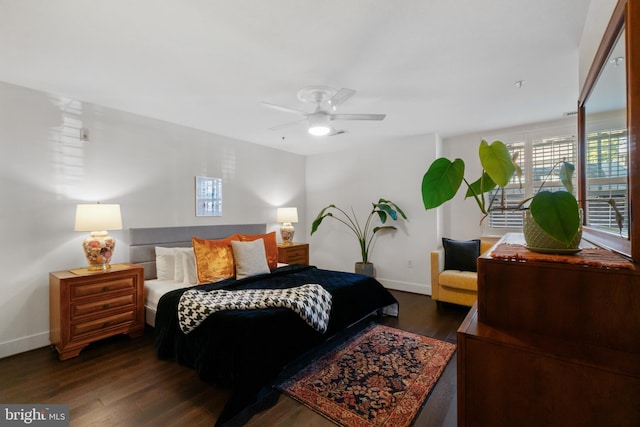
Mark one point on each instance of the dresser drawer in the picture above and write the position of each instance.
(102, 305)
(86, 289)
(103, 323)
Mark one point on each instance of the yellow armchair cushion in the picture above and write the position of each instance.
(467, 280)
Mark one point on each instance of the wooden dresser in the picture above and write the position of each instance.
(550, 343)
(294, 253)
(88, 306)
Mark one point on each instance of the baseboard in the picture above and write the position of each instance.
(416, 288)
(20, 345)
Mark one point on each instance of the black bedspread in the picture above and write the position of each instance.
(245, 349)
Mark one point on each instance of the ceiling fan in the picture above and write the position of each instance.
(326, 100)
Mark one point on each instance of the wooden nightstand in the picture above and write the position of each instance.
(88, 306)
(294, 253)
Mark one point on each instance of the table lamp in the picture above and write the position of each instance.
(97, 219)
(286, 216)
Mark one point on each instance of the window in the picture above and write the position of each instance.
(208, 196)
(538, 158)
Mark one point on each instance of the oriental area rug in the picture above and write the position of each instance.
(380, 377)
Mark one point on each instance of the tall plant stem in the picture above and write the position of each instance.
(355, 227)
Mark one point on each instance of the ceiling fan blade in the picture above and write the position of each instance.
(286, 125)
(341, 96)
(337, 132)
(284, 109)
(357, 116)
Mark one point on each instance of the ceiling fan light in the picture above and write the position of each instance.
(319, 125)
(319, 130)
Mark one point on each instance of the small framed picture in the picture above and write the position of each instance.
(208, 196)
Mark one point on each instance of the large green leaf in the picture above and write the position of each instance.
(441, 182)
(496, 161)
(316, 222)
(384, 210)
(482, 185)
(385, 227)
(514, 160)
(557, 214)
(391, 206)
(565, 174)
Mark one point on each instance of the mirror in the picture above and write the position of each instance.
(608, 176)
(606, 205)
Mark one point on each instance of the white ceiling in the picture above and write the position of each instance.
(432, 66)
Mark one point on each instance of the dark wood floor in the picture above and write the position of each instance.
(120, 381)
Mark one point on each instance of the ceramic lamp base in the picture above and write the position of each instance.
(286, 232)
(98, 248)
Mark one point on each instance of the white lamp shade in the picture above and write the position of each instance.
(98, 217)
(287, 215)
(319, 125)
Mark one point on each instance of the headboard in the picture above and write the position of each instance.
(142, 241)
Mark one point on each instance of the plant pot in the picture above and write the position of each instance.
(365, 268)
(538, 240)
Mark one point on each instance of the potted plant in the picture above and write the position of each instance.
(384, 210)
(557, 214)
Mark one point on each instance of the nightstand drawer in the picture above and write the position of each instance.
(296, 260)
(103, 323)
(86, 289)
(294, 253)
(102, 305)
(297, 255)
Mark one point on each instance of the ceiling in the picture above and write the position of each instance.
(432, 66)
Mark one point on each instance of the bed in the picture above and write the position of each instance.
(245, 350)
(142, 251)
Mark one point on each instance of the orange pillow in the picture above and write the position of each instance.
(214, 259)
(270, 246)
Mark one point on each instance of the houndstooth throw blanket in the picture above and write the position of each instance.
(311, 302)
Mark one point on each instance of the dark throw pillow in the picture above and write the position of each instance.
(461, 255)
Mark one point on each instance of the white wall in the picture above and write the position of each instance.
(356, 178)
(146, 165)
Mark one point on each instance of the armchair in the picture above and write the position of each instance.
(455, 286)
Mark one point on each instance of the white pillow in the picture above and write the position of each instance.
(250, 258)
(188, 261)
(165, 263)
(178, 267)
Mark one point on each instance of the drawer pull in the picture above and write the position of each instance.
(105, 288)
(105, 306)
(105, 324)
